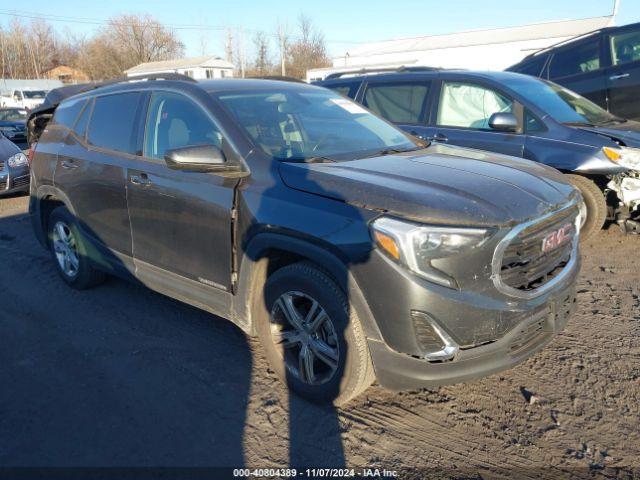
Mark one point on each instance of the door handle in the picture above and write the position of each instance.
(618, 77)
(68, 163)
(438, 137)
(142, 180)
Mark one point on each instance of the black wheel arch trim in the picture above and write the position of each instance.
(253, 269)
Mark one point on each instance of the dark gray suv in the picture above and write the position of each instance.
(351, 249)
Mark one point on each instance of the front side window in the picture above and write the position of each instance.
(113, 122)
(175, 121)
(580, 59)
(468, 105)
(299, 125)
(625, 47)
(398, 102)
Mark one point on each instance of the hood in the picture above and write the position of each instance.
(628, 132)
(7, 148)
(440, 184)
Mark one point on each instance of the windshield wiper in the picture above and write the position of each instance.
(579, 124)
(391, 151)
(613, 120)
(317, 159)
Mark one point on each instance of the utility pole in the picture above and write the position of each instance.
(283, 65)
(241, 51)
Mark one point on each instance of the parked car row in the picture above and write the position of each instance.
(518, 115)
(603, 66)
(353, 250)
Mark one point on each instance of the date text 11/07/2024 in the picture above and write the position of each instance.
(314, 473)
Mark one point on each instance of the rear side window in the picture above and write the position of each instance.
(625, 47)
(398, 102)
(67, 113)
(80, 128)
(532, 67)
(580, 59)
(113, 122)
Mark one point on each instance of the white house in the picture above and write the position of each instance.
(196, 67)
(494, 49)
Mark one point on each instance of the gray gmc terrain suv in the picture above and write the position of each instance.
(352, 250)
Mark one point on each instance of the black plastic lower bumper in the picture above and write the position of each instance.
(398, 371)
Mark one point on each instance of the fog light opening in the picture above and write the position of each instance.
(436, 344)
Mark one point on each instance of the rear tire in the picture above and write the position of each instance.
(595, 202)
(336, 348)
(69, 253)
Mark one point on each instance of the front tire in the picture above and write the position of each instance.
(69, 252)
(595, 202)
(312, 338)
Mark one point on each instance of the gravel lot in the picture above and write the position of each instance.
(122, 376)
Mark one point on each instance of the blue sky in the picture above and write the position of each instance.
(344, 23)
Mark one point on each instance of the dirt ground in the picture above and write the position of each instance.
(122, 376)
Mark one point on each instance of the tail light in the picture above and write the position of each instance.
(32, 150)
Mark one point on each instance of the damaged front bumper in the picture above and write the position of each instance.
(626, 187)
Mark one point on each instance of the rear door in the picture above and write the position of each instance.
(403, 102)
(92, 167)
(580, 67)
(462, 117)
(623, 76)
(180, 220)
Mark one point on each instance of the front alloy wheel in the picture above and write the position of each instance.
(306, 336)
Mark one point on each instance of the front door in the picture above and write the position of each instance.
(623, 77)
(180, 220)
(463, 113)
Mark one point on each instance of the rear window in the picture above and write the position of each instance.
(67, 113)
(532, 67)
(113, 122)
(398, 102)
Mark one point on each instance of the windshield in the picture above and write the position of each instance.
(562, 105)
(12, 115)
(34, 94)
(300, 125)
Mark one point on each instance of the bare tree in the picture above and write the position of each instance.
(307, 51)
(262, 64)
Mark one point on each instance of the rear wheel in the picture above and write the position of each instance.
(69, 252)
(596, 212)
(312, 339)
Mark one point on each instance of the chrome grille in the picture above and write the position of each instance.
(525, 266)
(1, 164)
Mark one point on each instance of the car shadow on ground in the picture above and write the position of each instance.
(120, 376)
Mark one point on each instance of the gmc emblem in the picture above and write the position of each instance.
(556, 238)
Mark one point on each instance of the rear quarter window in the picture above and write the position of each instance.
(113, 122)
(532, 67)
(67, 113)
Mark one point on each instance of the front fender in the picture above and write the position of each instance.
(253, 275)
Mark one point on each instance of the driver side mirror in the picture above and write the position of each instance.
(199, 158)
(504, 122)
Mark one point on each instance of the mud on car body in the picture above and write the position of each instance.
(352, 250)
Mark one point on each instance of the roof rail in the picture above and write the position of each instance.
(564, 42)
(364, 71)
(282, 78)
(158, 76)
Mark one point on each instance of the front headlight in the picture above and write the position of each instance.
(624, 156)
(17, 160)
(415, 246)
